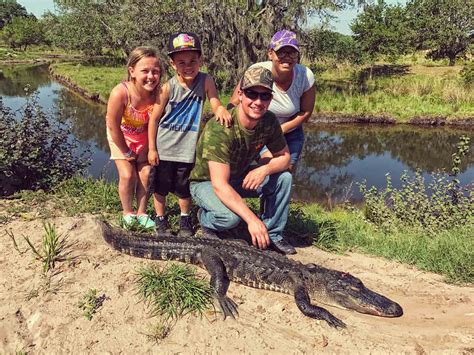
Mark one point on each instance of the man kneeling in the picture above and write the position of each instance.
(224, 174)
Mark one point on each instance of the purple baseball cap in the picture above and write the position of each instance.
(284, 38)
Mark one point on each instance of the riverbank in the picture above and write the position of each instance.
(417, 95)
(93, 96)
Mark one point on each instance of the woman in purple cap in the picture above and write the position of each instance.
(293, 90)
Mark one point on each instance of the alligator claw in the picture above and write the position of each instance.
(335, 322)
(228, 307)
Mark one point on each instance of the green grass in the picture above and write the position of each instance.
(449, 253)
(401, 107)
(95, 79)
(174, 291)
(53, 247)
(86, 195)
(101, 79)
(224, 97)
(421, 91)
(171, 292)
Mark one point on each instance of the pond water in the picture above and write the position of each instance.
(335, 157)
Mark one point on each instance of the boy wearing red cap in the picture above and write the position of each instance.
(174, 127)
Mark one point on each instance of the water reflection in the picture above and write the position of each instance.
(87, 119)
(14, 79)
(335, 157)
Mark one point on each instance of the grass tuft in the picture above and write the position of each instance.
(174, 291)
(52, 247)
(157, 332)
(90, 303)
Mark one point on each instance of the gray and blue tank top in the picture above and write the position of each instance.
(178, 130)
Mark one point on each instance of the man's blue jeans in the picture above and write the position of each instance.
(275, 192)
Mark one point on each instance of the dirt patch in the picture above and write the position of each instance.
(42, 316)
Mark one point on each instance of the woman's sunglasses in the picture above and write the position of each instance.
(253, 95)
(290, 53)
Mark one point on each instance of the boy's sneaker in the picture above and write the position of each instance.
(128, 221)
(145, 221)
(162, 226)
(204, 231)
(185, 227)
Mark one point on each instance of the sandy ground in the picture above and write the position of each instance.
(37, 316)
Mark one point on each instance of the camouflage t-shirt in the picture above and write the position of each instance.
(235, 145)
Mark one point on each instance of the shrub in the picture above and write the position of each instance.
(439, 206)
(467, 74)
(36, 150)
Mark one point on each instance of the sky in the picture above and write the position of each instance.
(344, 18)
(340, 24)
(37, 7)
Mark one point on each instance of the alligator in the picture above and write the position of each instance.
(227, 260)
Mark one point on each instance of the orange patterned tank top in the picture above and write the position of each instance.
(134, 121)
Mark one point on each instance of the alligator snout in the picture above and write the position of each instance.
(382, 307)
(394, 310)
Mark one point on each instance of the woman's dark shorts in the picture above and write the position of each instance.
(171, 176)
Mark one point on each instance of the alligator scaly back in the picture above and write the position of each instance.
(231, 261)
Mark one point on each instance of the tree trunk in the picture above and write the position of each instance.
(452, 60)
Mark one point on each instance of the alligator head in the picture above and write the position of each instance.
(341, 289)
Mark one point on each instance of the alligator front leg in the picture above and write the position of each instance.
(219, 281)
(304, 304)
